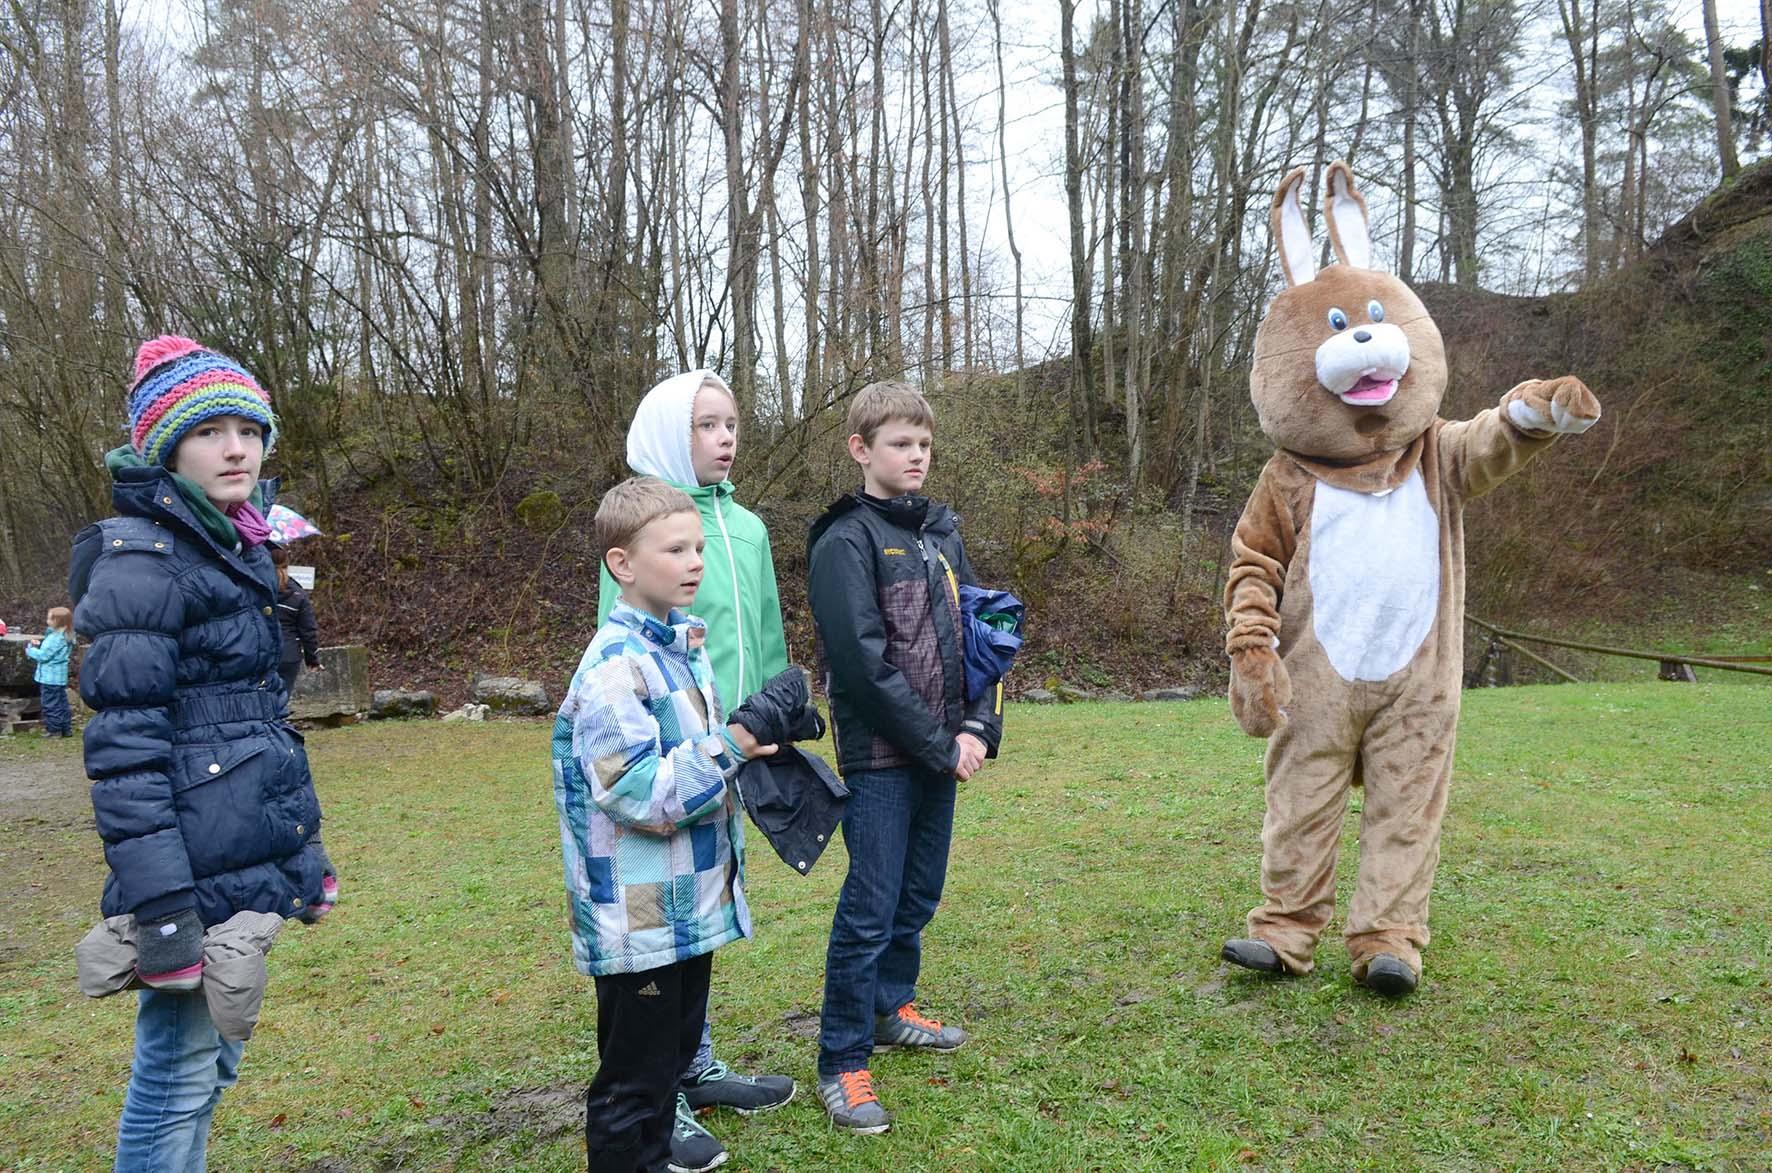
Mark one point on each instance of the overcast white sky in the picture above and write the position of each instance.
(1036, 146)
(1036, 143)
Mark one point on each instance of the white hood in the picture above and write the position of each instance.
(659, 437)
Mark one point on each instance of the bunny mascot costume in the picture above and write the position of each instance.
(1345, 597)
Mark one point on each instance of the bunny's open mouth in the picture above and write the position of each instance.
(1370, 390)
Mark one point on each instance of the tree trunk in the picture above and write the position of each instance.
(1411, 112)
(1719, 93)
(1082, 379)
(959, 165)
(784, 385)
(809, 393)
(741, 265)
(1766, 61)
(1132, 236)
(1008, 194)
(1581, 33)
(873, 287)
(1112, 174)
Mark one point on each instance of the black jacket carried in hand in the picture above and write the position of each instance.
(792, 796)
(781, 710)
(795, 801)
(885, 584)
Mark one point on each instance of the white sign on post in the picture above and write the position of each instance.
(304, 575)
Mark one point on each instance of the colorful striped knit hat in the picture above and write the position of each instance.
(178, 384)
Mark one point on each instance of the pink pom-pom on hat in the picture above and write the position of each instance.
(157, 350)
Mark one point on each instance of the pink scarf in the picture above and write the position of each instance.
(253, 527)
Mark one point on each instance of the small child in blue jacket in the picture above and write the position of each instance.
(651, 835)
(52, 653)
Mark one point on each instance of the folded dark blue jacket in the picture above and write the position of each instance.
(991, 643)
(796, 801)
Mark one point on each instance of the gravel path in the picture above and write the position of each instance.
(43, 781)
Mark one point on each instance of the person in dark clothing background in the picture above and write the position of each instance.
(295, 615)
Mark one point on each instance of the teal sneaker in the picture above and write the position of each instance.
(718, 1086)
(693, 1148)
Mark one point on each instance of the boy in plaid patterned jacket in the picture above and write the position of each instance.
(653, 843)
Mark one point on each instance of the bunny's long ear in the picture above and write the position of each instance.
(1291, 235)
(1344, 209)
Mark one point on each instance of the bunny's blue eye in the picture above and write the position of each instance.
(1374, 311)
(1337, 320)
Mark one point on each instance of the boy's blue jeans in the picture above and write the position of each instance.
(56, 716)
(181, 1068)
(896, 828)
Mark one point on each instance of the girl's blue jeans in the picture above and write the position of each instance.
(56, 716)
(181, 1068)
(896, 828)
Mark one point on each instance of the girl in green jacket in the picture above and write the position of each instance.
(686, 432)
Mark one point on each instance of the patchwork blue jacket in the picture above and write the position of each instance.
(650, 835)
(52, 657)
(200, 788)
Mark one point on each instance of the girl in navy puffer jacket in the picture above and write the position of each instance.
(200, 788)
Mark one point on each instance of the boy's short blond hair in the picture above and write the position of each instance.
(879, 404)
(629, 507)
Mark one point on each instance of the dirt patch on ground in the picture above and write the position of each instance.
(51, 862)
(43, 780)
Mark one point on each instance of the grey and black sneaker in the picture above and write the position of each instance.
(718, 1086)
(904, 1027)
(693, 1148)
(850, 1102)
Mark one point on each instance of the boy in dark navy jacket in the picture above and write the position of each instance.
(886, 569)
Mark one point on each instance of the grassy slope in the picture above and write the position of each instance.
(1597, 995)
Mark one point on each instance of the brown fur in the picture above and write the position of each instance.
(1394, 735)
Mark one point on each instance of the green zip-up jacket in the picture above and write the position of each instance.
(737, 599)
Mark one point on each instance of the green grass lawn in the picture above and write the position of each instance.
(1598, 994)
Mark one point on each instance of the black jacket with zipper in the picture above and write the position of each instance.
(884, 590)
(295, 616)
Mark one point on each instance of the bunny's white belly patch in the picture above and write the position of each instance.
(1375, 576)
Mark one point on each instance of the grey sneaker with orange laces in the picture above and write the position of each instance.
(850, 1102)
(904, 1027)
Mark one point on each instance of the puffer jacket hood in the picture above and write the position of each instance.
(201, 789)
(219, 525)
(659, 437)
